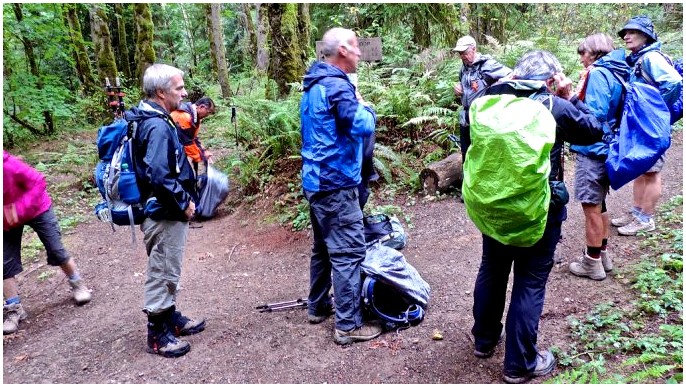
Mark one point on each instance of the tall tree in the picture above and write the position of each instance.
(102, 43)
(122, 46)
(250, 28)
(304, 27)
(145, 54)
(262, 33)
(81, 60)
(33, 68)
(217, 41)
(286, 64)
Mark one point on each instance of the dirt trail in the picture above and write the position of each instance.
(235, 262)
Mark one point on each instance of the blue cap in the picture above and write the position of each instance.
(639, 23)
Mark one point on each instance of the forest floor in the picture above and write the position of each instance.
(238, 260)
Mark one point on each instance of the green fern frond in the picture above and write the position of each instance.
(650, 374)
(419, 120)
(383, 170)
(385, 152)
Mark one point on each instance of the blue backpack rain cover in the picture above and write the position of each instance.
(643, 137)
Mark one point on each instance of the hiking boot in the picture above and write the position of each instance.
(14, 314)
(606, 259)
(490, 352)
(319, 318)
(588, 267)
(161, 341)
(634, 227)
(545, 364)
(184, 326)
(80, 292)
(363, 333)
(623, 220)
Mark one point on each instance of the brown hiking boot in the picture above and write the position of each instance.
(363, 333)
(14, 314)
(80, 292)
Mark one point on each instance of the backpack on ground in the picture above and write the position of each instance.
(643, 137)
(115, 176)
(392, 290)
(384, 228)
(506, 188)
(214, 190)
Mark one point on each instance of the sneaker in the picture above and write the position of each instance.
(161, 341)
(363, 333)
(80, 292)
(14, 314)
(606, 259)
(545, 364)
(634, 227)
(490, 352)
(623, 220)
(184, 326)
(317, 319)
(588, 267)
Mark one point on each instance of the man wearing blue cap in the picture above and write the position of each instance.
(651, 66)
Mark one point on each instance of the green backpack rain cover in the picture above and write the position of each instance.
(506, 168)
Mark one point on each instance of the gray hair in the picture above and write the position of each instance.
(158, 77)
(537, 65)
(335, 38)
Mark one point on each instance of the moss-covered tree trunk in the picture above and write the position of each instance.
(213, 48)
(487, 19)
(33, 67)
(250, 29)
(145, 53)
(122, 47)
(262, 37)
(81, 60)
(285, 63)
(304, 27)
(102, 43)
(217, 36)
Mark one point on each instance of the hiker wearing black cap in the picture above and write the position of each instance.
(649, 66)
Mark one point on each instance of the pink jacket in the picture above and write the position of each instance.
(24, 187)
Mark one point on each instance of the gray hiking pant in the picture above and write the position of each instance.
(339, 249)
(164, 242)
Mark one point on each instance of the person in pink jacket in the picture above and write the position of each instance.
(26, 202)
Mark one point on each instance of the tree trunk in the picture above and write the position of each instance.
(443, 174)
(250, 28)
(213, 47)
(217, 36)
(304, 27)
(286, 64)
(145, 53)
(100, 33)
(189, 35)
(33, 67)
(123, 47)
(262, 37)
(81, 60)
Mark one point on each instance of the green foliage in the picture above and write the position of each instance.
(609, 331)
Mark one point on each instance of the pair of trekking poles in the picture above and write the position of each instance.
(302, 303)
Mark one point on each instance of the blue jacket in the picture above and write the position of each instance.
(665, 77)
(162, 168)
(605, 99)
(334, 126)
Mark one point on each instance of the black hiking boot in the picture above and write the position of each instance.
(184, 326)
(161, 340)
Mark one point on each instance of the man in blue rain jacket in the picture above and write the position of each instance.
(335, 123)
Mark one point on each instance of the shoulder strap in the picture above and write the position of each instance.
(541, 96)
(644, 74)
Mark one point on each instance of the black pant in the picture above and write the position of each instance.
(532, 265)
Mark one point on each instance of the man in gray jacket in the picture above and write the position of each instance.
(477, 73)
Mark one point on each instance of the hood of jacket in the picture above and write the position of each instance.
(144, 110)
(320, 70)
(615, 61)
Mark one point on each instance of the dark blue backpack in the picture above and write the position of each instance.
(115, 176)
(643, 137)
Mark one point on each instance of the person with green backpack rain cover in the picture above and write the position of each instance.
(515, 194)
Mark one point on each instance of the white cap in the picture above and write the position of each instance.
(464, 43)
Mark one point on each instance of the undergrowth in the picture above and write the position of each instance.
(643, 343)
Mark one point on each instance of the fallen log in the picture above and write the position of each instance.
(442, 175)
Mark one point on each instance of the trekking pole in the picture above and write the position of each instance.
(235, 124)
(283, 305)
